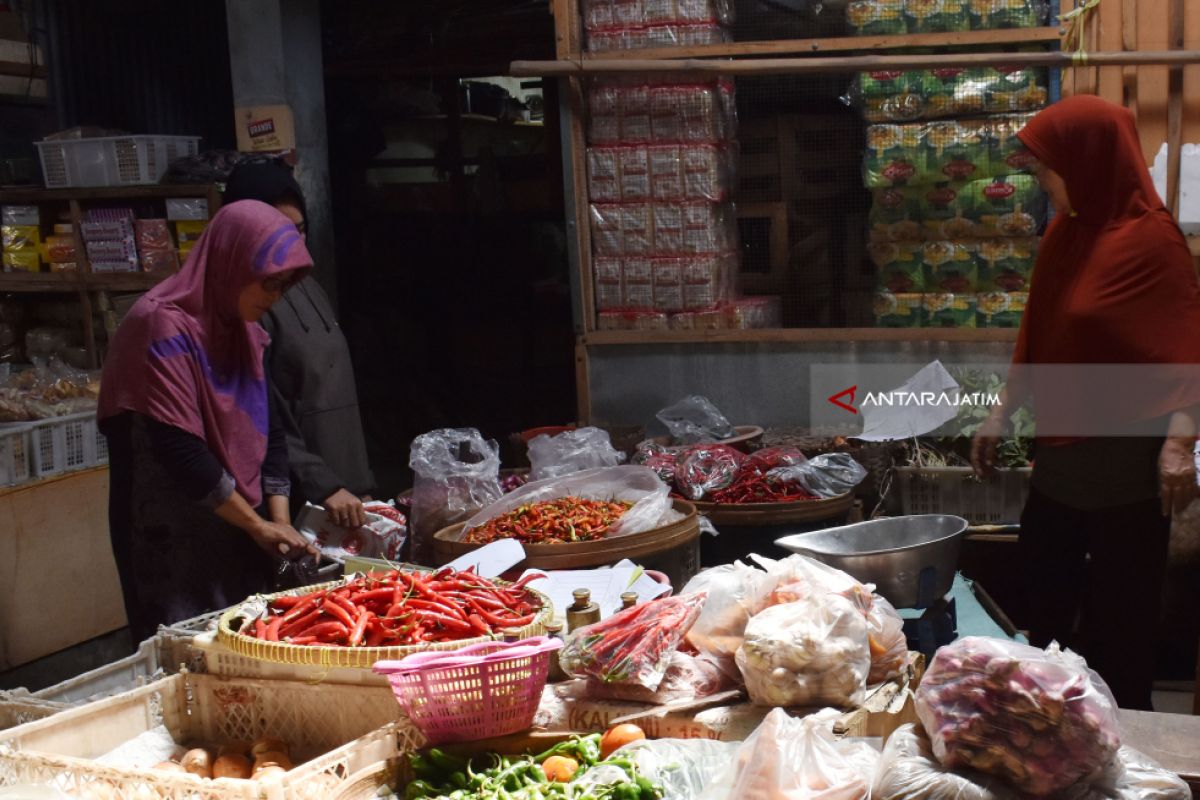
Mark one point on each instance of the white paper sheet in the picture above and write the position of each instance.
(905, 420)
(493, 559)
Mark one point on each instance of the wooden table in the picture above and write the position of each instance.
(58, 579)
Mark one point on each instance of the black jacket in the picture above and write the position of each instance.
(312, 383)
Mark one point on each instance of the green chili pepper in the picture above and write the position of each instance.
(423, 768)
(626, 791)
(446, 762)
(419, 789)
(648, 790)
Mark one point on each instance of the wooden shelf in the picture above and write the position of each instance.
(800, 335)
(840, 44)
(17, 194)
(78, 282)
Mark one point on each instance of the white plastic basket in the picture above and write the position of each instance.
(333, 733)
(120, 676)
(14, 454)
(18, 707)
(175, 643)
(955, 490)
(111, 160)
(65, 444)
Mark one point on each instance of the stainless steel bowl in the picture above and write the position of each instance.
(911, 560)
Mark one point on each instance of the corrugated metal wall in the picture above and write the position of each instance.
(145, 66)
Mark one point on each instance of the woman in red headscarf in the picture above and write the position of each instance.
(1108, 356)
(198, 502)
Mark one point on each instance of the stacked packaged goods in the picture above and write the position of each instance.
(661, 166)
(638, 24)
(955, 214)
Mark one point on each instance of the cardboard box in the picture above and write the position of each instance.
(107, 230)
(112, 250)
(265, 129)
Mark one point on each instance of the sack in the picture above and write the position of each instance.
(1039, 719)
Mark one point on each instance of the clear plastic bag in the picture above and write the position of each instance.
(1039, 719)
(633, 646)
(721, 626)
(788, 758)
(828, 475)
(659, 458)
(909, 770)
(457, 473)
(707, 468)
(570, 452)
(694, 420)
(684, 768)
(638, 485)
(813, 652)
(687, 677)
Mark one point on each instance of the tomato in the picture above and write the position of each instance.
(560, 769)
(619, 736)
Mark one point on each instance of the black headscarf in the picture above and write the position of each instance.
(267, 181)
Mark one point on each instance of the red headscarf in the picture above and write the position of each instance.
(183, 355)
(1114, 281)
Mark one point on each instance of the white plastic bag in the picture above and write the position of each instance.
(684, 768)
(722, 624)
(687, 677)
(638, 485)
(457, 473)
(909, 770)
(694, 419)
(828, 475)
(570, 452)
(789, 758)
(813, 652)
(799, 577)
(1039, 719)
(382, 536)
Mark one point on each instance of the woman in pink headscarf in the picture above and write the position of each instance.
(198, 507)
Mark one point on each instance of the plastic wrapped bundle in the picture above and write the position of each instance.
(704, 469)
(796, 759)
(1041, 720)
(908, 770)
(813, 652)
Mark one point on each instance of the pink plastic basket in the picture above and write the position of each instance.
(481, 691)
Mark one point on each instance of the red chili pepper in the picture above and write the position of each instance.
(339, 612)
(272, 632)
(260, 629)
(287, 601)
(479, 625)
(360, 628)
(298, 625)
(323, 629)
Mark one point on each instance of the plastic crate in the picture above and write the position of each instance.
(120, 676)
(111, 160)
(15, 466)
(65, 444)
(955, 490)
(333, 733)
(175, 643)
(18, 707)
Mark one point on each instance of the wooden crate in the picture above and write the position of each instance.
(333, 731)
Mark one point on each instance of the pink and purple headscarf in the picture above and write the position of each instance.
(183, 355)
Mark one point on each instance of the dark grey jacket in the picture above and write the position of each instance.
(312, 381)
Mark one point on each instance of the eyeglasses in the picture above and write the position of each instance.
(277, 284)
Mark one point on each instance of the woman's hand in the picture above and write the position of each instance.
(986, 441)
(345, 509)
(281, 539)
(1177, 474)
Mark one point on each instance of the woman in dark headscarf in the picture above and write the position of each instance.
(311, 374)
(193, 450)
(1113, 285)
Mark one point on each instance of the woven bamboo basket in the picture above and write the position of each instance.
(229, 636)
(333, 733)
(751, 514)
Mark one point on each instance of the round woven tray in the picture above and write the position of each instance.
(751, 514)
(354, 657)
(581, 555)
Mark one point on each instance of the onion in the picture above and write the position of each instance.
(198, 762)
(232, 765)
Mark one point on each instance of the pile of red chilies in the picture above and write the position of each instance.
(754, 487)
(399, 608)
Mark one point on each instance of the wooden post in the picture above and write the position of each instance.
(583, 392)
(1129, 75)
(1175, 30)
